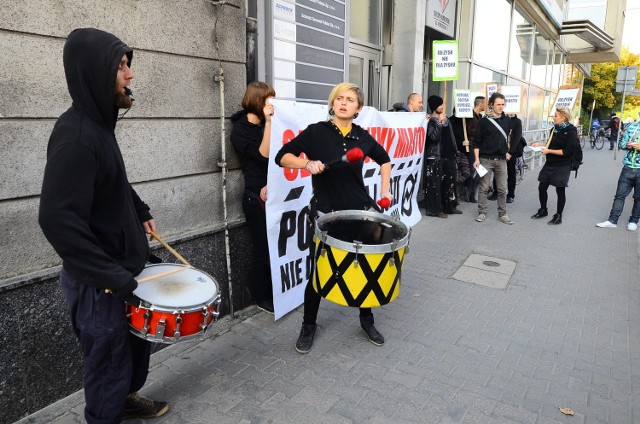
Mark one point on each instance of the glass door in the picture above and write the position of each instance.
(364, 70)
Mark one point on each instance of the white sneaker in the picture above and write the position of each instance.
(606, 224)
(632, 226)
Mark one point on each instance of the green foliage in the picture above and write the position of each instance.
(601, 86)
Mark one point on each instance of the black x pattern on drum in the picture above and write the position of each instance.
(372, 276)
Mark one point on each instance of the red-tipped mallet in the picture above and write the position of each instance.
(384, 202)
(352, 155)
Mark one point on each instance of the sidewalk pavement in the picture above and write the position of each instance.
(564, 333)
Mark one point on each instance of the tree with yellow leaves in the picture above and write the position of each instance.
(601, 86)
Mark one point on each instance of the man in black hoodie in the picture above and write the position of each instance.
(96, 222)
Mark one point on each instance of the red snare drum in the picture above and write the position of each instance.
(181, 306)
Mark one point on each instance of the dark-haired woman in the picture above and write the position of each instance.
(339, 188)
(556, 171)
(250, 137)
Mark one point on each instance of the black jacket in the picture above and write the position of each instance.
(566, 140)
(341, 187)
(489, 139)
(246, 139)
(88, 210)
(440, 140)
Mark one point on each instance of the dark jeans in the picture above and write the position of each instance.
(260, 277)
(116, 362)
(433, 186)
(629, 180)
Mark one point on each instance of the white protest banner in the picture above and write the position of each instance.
(567, 96)
(445, 60)
(463, 103)
(512, 98)
(289, 190)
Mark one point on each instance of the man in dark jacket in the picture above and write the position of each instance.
(614, 126)
(414, 104)
(491, 150)
(471, 183)
(96, 222)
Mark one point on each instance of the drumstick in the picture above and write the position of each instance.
(169, 248)
(163, 274)
(352, 155)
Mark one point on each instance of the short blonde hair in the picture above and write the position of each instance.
(565, 112)
(344, 87)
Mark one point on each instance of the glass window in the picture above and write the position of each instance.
(593, 10)
(536, 105)
(523, 97)
(356, 68)
(539, 65)
(521, 44)
(556, 70)
(491, 33)
(365, 18)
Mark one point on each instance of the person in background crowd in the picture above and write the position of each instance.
(96, 222)
(515, 133)
(414, 104)
(340, 187)
(614, 126)
(492, 150)
(563, 139)
(250, 138)
(471, 184)
(629, 180)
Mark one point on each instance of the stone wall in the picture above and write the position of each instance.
(171, 141)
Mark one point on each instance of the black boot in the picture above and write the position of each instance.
(542, 212)
(374, 335)
(305, 340)
(557, 219)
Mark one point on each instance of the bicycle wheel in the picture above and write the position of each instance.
(592, 140)
(600, 143)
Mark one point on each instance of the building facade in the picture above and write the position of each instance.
(192, 61)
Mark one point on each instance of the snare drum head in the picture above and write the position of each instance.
(189, 287)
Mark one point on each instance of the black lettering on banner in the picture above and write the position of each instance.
(406, 207)
(291, 274)
(287, 229)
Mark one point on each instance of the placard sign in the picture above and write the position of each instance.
(463, 103)
(567, 97)
(445, 60)
(512, 98)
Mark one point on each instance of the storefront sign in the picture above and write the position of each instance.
(441, 16)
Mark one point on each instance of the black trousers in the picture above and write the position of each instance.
(433, 186)
(448, 184)
(311, 297)
(260, 277)
(116, 362)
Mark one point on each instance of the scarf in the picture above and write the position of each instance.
(560, 127)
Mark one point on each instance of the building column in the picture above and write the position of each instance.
(408, 49)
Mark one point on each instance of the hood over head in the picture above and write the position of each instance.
(91, 58)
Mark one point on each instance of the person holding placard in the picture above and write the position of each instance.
(471, 183)
(558, 150)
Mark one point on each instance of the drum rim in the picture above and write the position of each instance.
(186, 308)
(362, 248)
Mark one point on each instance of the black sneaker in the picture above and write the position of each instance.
(492, 197)
(305, 340)
(374, 335)
(140, 407)
(266, 306)
(510, 199)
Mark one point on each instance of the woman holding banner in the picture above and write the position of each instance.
(250, 137)
(338, 187)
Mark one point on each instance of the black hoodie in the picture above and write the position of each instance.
(88, 210)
